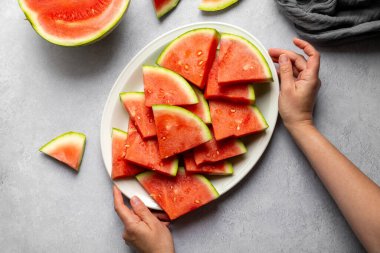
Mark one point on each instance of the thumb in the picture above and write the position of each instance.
(142, 211)
(286, 71)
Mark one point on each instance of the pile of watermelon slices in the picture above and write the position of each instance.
(197, 102)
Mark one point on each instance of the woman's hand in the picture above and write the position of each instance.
(143, 230)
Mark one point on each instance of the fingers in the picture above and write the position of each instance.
(298, 60)
(142, 211)
(126, 215)
(161, 216)
(286, 72)
(313, 62)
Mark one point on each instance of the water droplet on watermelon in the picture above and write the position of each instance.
(208, 155)
(197, 201)
(138, 117)
(217, 152)
(233, 110)
(150, 120)
(163, 138)
(199, 53)
(238, 127)
(246, 67)
(187, 67)
(200, 62)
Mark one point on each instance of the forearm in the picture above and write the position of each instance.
(356, 195)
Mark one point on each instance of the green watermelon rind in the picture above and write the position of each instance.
(241, 146)
(260, 116)
(56, 140)
(207, 115)
(255, 50)
(173, 172)
(251, 94)
(216, 6)
(53, 39)
(119, 131)
(209, 185)
(166, 9)
(228, 170)
(184, 84)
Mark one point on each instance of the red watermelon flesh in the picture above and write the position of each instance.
(145, 153)
(221, 168)
(163, 86)
(241, 62)
(240, 93)
(201, 109)
(178, 195)
(231, 119)
(164, 6)
(141, 115)
(120, 167)
(191, 55)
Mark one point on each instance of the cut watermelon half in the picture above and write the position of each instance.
(218, 169)
(67, 148)
(73, 23)
(201, 109)
(215, 5)
(191, 55)
(178, 130)
(120, 167)
(141, 115)
(241, 62)
(145, 153)
(162, 7)
(239, 93)
(231, 119)
(178, 195)
(163, 86)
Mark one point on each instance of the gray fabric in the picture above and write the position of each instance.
(333, 21)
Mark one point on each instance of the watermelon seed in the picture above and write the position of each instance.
(199, 53)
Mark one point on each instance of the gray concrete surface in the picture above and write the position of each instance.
(46, 90)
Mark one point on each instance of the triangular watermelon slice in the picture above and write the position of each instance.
(191, 55)
(162, 7)
(67, 148)
(145, 153)
(231, 119)
(215, 5)
(141, 115)
(219, 168)
(120, 167)
(178, 130)
(239, 93)
(241, 62)
(178, 195)
(163, 86)
(201, 109)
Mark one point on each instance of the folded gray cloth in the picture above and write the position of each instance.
(333, 21)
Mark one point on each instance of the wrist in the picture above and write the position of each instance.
(299, 126)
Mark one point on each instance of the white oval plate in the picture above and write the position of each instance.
(131, 79)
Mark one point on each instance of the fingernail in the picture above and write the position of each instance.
(283, 58)
(135, 201)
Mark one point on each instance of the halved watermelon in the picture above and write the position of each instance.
(73, 23)
(145, 153)
(178, 129)
(141, 115)
(239, 93)
(215, 5)
(120, 167)
(67, 148)
(164, 6)
(231, 119)
(201, 109)
(178, 195)
(163, 86)
(219, 168)
(191, 55)
(241, 62)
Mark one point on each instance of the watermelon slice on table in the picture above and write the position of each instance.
(145, 153)
(201, 109)
(120, 167)
(163, 86)
(162, 7)
(178, 195)
(178, 130)
(219, 168)
(67, 148)
(73, 23)
(141, 115)
(191, 55)
(241, 62)
(231, 119)
(239, 93)
(215, 5)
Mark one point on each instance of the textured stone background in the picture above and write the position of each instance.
(281, 207)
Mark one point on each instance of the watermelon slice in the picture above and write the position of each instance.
(231, 119)
(218, 168)
(178, 195)
(178, 130)
(120, 167)
(67, 148)
(73, 23)
(145, 153)
(201, 109)
(215, 5)
(163, 86)
(162, 7)
(191, 55)
(141, 115)
(241, 62)
(240, 93)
